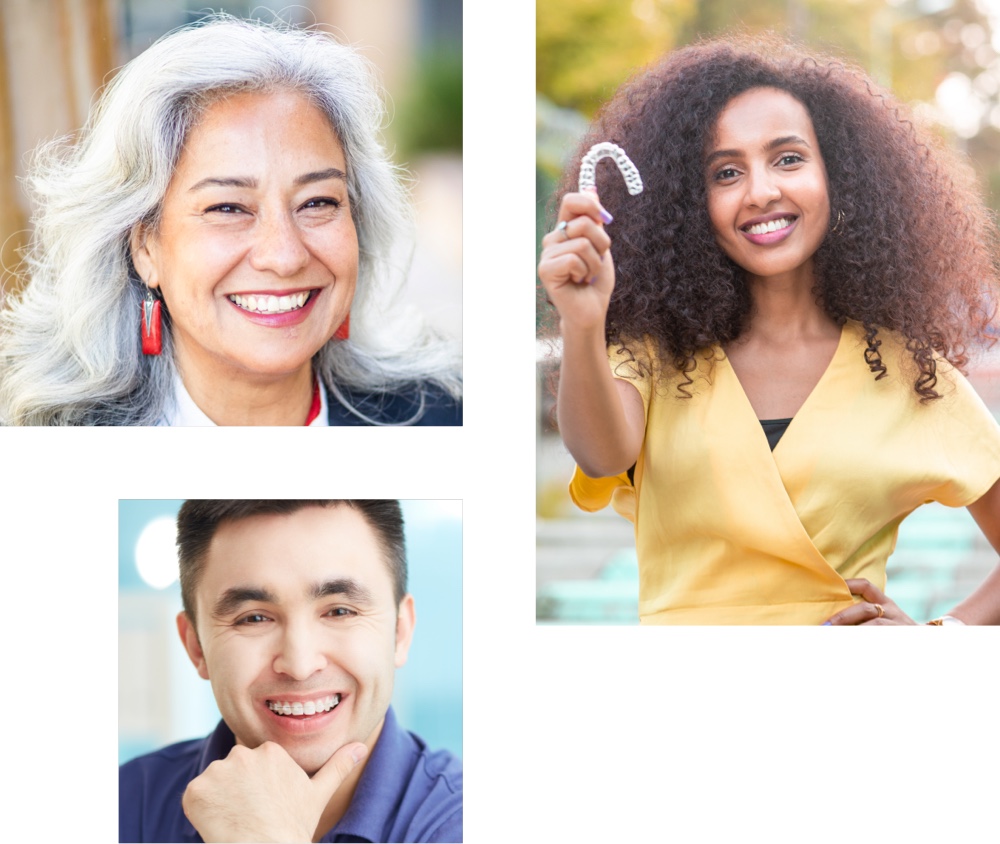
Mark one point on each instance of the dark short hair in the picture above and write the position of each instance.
(198, 521)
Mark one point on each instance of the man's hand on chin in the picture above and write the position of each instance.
(263, 794)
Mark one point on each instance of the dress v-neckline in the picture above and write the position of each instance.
(809, 399)
(779, 473)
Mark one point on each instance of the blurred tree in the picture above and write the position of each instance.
(431, 114)
(586, 48)
(940, 55)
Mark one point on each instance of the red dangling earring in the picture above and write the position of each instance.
(343, 332)
(150, 326)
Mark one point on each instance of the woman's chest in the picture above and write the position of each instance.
(777, 382)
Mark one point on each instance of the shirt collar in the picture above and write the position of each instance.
(382, 783)
(183, 412)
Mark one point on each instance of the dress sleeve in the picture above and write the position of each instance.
(633, 367)
(592, 494)
(967, 442)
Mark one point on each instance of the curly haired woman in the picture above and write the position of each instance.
(789, 305)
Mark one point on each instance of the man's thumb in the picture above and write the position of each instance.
(338, 767)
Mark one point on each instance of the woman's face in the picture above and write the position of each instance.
(256, 254)
(767, 185)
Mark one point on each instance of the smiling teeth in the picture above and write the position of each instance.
(270, 304)
(773, 226)
(309, 707)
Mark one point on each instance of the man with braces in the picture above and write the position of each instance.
(297, 613)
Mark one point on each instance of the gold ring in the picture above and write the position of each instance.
(881, 612)
(562, 228)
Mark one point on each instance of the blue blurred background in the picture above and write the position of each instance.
(161, 699)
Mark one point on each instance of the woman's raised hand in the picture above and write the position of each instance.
(576, 266)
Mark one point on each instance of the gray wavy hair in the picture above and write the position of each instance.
(69, 343)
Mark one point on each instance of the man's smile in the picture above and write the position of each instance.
(308, 707)
(291, 716)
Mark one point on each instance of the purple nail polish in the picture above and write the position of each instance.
(826, 623)
(606, 217)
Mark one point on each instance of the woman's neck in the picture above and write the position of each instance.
(785, 308)
(249, 400)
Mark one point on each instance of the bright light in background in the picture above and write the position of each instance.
(962, 108)
(156, 554)
(429, 511)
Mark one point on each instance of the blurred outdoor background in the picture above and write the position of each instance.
(941, 56)
(161, 698)
(55, 56)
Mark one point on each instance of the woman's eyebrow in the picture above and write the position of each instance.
(771, 145)
(320, 175)
(251, 183)
(226, 182)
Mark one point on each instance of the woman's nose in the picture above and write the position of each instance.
(278, 246)
(762, 189)
(300, 653)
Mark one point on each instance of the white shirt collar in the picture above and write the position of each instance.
(183, 412)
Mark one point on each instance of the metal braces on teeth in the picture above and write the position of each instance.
(588, 167)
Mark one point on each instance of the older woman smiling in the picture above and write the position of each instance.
(216, 250)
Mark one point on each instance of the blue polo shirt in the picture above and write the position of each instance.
(406, 792)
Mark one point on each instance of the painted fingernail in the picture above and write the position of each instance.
(606, 217)
(826, 624)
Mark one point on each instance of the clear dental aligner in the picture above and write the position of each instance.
(588, 167)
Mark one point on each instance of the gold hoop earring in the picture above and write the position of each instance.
(840, 219)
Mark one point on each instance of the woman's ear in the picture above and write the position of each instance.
(144, 247)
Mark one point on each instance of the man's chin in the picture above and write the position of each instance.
(311, 759)
(310, 755)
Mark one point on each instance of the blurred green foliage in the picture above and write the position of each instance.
(587, 48)
(430, 118)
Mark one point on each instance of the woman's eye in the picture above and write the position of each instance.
(790, 158)
(726, 173)
(322, 202)
(225, 208)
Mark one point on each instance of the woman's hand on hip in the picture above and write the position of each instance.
(875, 608)
(576, 266)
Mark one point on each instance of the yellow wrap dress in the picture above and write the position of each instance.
(729, 532)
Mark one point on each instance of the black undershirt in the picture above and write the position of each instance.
(773, 429)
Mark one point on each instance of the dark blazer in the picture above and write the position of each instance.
(397, 407)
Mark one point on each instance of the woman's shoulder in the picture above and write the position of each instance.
(645, 363)
(425, 402)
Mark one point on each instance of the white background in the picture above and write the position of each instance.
(571, 734)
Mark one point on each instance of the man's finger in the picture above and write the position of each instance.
(337, 768)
